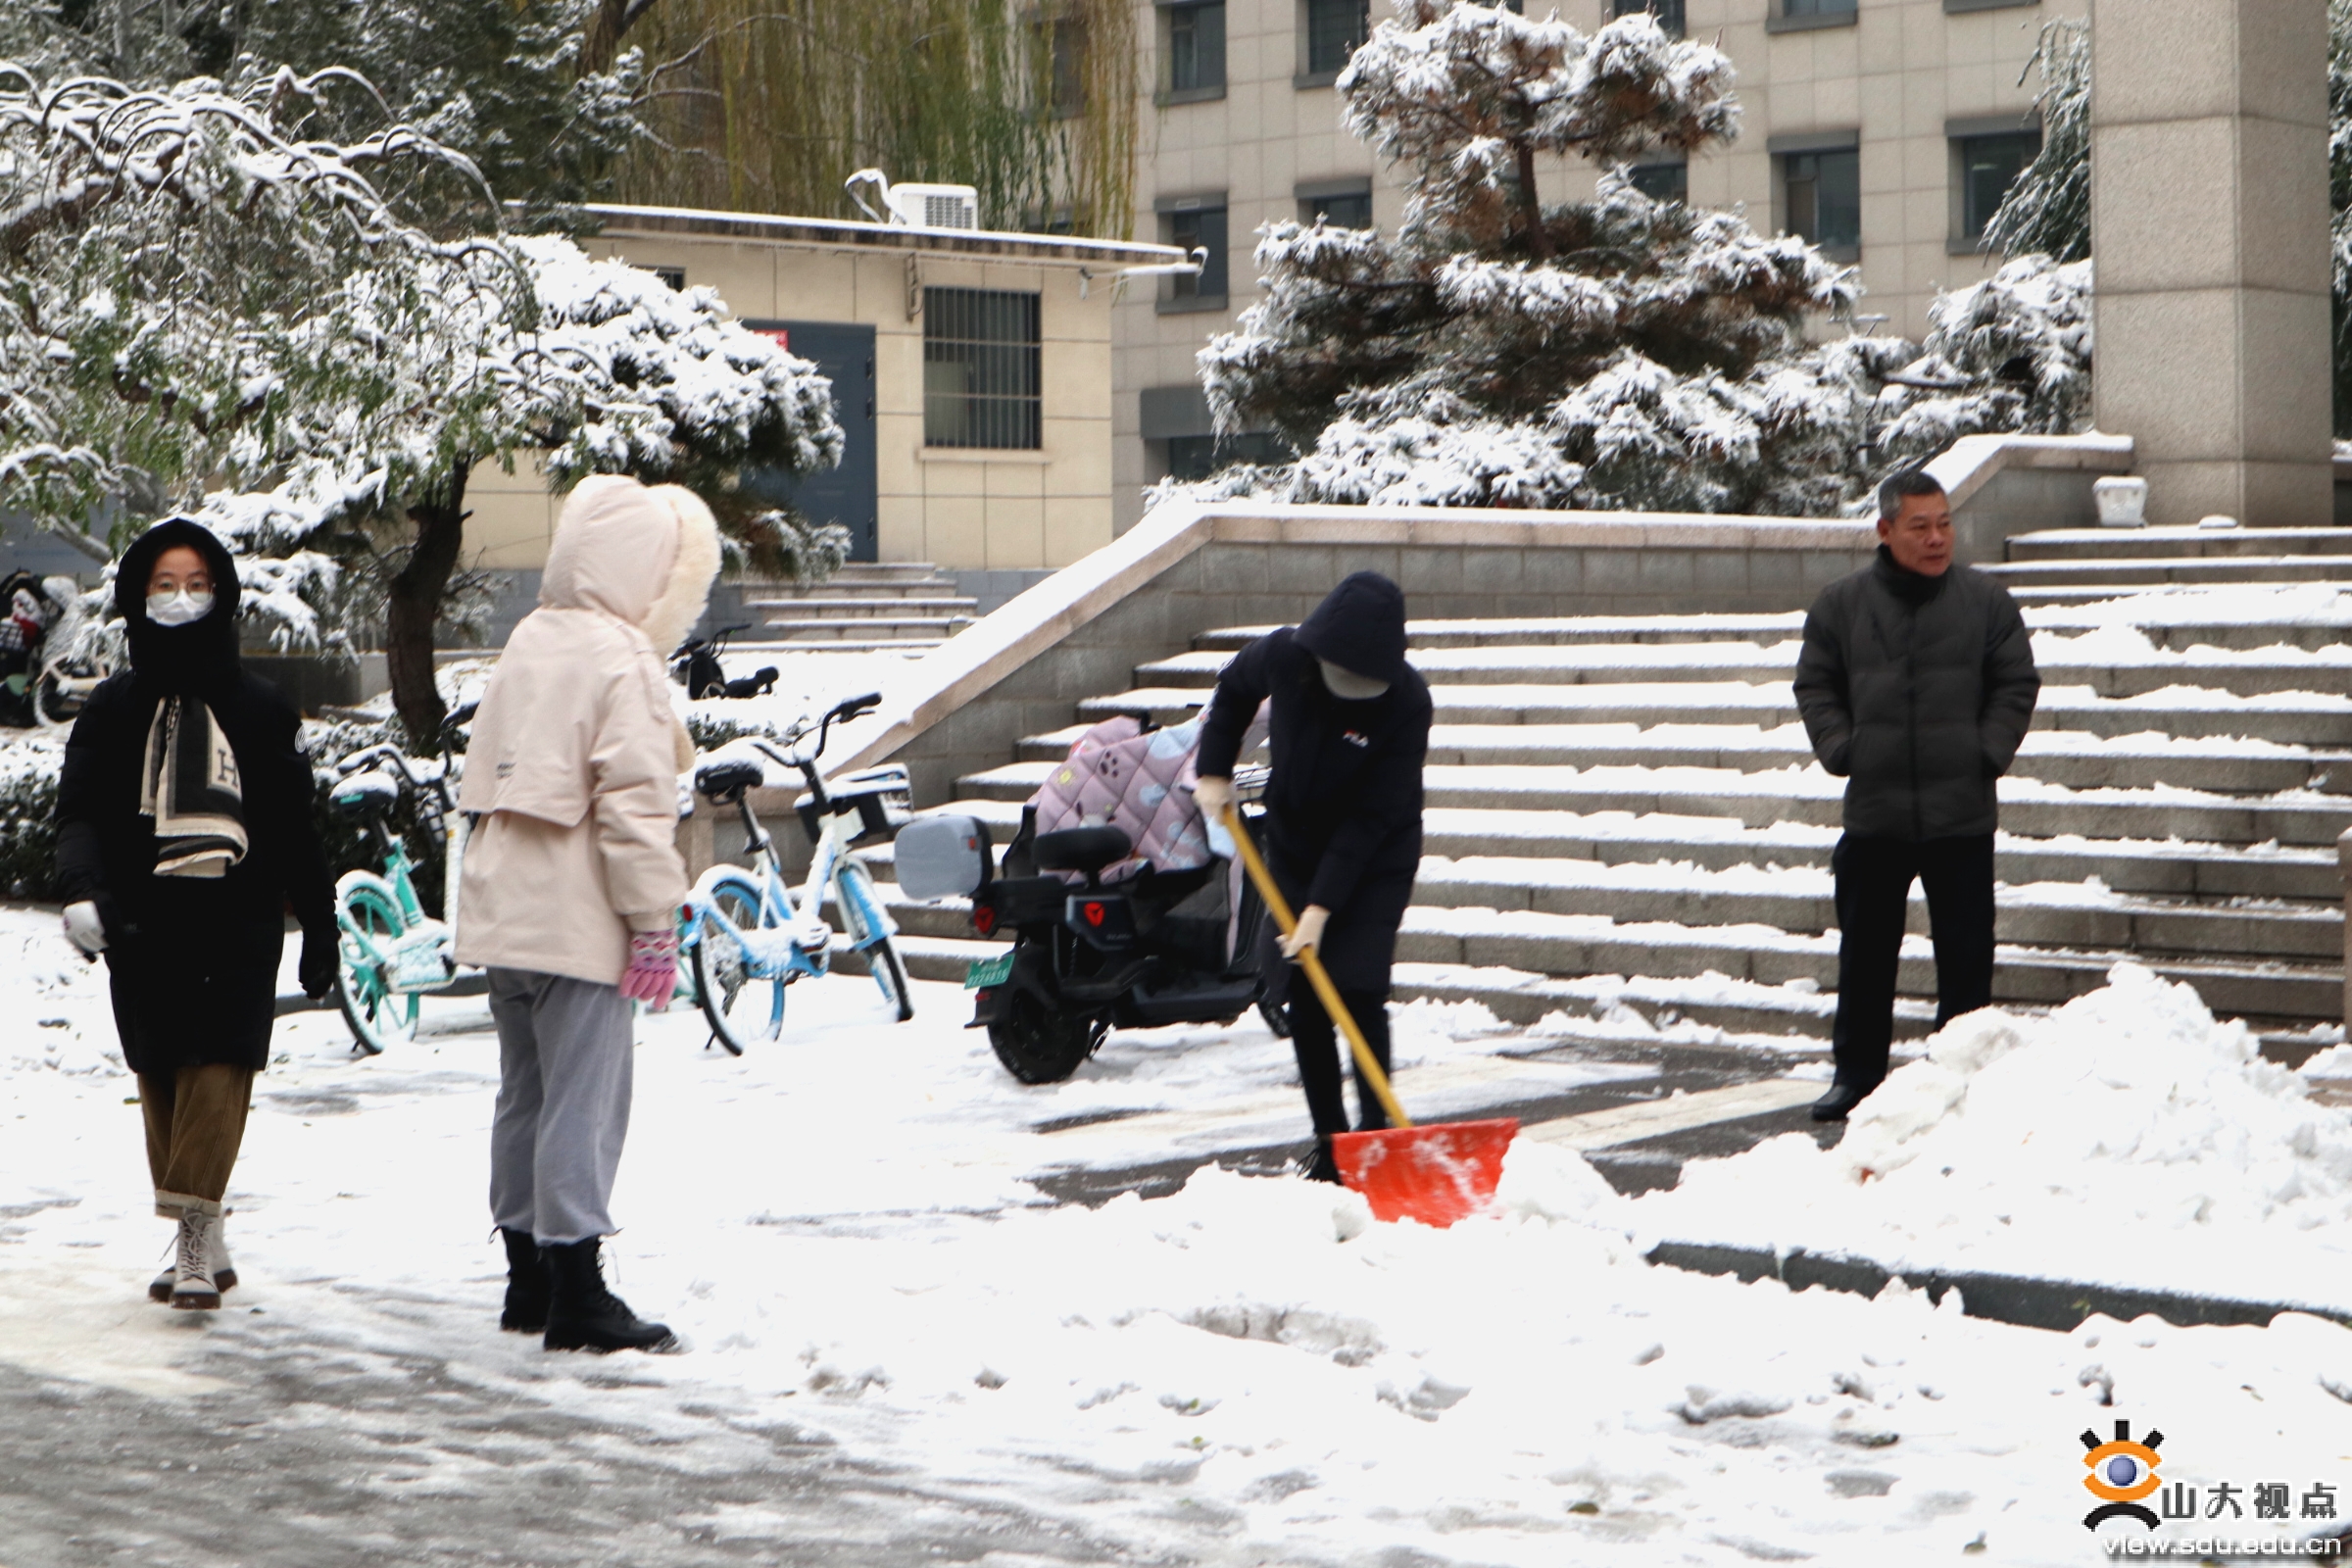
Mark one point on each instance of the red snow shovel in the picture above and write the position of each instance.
(1435, 1174)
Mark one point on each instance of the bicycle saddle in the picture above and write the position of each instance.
(1080, 849)
(727, 780)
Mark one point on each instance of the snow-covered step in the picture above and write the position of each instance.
(2224, 764)
(872, 628)
(2160, 867)
(2201, 569)
(2306, 718)
(877, 601)
(1801, 899)
(2111, 544)
(1807, 795)
(2106, 665)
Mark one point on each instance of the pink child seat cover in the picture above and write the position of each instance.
(1118, 775)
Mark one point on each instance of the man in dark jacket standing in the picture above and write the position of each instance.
(1349, 731)
(1917, 684)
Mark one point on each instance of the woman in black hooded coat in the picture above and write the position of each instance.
(192, 923)
(1349, 732)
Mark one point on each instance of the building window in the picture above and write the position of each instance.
(1197, 224)
(1197, 456)
(1341, 208)
(1825, 199)
(980, 369)
(1334, 30)
(1067, 35)
(1662, 183)
(1796, 16)
(1988, 166)
(1667, 11)
(1195, 48)
(674, 277)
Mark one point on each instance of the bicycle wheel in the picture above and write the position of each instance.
(741, 1008)
(378, 1017)
(860, 915)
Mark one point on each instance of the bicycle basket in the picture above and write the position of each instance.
(882, 799)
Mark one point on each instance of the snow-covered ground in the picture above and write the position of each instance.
(1246, 1373)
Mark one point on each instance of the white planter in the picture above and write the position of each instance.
(2123, 501)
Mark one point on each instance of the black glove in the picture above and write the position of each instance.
(319, 960)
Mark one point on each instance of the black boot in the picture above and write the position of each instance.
(528, 1283)
(1839, 1101)
(585, 1316)
(1320, 1166)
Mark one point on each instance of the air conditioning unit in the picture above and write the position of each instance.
(918, 205)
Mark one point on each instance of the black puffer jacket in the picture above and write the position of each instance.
(1916, 690)
(1344, 804)
(194, 960)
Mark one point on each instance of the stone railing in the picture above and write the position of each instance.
(2008, 484)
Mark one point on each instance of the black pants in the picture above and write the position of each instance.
(1874, 889)
(1318, 1045)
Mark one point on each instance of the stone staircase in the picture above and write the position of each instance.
(865, 605)
(1626, 828)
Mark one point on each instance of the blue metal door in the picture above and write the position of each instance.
(847, 495)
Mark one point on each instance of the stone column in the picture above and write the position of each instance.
(2208, 232)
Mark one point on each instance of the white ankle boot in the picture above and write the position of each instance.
(193, 1288)
(224, 1272)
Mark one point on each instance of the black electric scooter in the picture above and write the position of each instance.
(1149, 951)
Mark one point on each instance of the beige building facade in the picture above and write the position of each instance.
(1883, 130)
(972, 373)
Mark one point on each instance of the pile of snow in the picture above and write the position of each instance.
(2126, 1137)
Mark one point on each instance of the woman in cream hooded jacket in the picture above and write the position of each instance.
(576, 749)
(573, 879)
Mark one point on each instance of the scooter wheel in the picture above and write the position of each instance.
(1039, 1046)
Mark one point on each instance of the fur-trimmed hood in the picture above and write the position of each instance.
(644, 555)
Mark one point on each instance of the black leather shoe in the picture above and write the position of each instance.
(1840, 1101)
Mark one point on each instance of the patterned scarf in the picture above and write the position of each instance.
(188, 784)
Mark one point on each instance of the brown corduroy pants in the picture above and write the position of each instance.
(195, 1122)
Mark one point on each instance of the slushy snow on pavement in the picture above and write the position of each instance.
(1249, 1372)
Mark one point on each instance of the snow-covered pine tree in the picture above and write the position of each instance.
(1501, 350)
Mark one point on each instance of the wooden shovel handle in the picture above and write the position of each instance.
(1366, 1064)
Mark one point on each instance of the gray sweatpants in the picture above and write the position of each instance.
(565, 1062)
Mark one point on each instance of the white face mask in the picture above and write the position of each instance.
(179, 609)
(1350, 687)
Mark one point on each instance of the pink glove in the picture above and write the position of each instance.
(653, 972)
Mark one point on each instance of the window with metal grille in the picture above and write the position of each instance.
(1667, 11)
(1817, 8)
(1334, 30)
(1988, 166)
(1824, 198)
(1196, 47)
(980, 369)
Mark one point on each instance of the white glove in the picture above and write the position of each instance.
(1212, 796)
(83, 928)
(1307, 933)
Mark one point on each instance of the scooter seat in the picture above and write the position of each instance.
(1081, 848)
